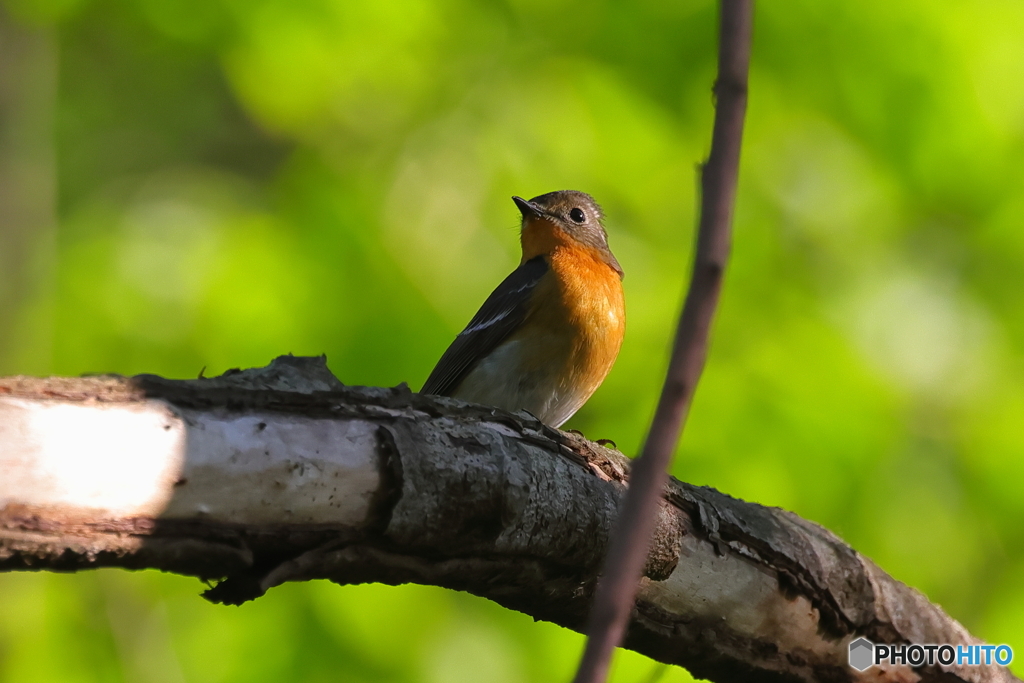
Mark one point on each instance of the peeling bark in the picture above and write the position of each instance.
(283, 474)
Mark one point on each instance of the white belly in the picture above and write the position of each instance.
(499, 381)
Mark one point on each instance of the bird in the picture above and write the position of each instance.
(548, 335)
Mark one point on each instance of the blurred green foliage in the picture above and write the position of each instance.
(221, 182)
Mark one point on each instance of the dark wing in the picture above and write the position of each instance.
(502, 314)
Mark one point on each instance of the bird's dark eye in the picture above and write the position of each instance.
(577, 215)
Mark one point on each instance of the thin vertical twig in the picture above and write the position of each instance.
(630, 540)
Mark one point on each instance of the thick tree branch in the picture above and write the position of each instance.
(282, 474)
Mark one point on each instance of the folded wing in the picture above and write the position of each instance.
(501, 315)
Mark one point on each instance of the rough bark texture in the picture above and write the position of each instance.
(283, 474)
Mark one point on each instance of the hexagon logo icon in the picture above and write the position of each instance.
(862, 653)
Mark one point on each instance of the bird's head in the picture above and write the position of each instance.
(556, 217)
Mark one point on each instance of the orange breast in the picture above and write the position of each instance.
(577, 321)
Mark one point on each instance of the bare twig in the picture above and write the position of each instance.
(613, 602)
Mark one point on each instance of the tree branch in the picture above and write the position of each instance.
(283, 474)
(615, 592)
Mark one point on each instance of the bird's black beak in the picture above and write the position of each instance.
(528, 209)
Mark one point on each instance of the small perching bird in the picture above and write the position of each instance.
(545, 339)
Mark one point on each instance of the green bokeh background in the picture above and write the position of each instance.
(212, 183)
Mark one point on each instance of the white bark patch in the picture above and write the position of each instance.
(292, 469)
(120, 459)
(706, 585)
(145, 459)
